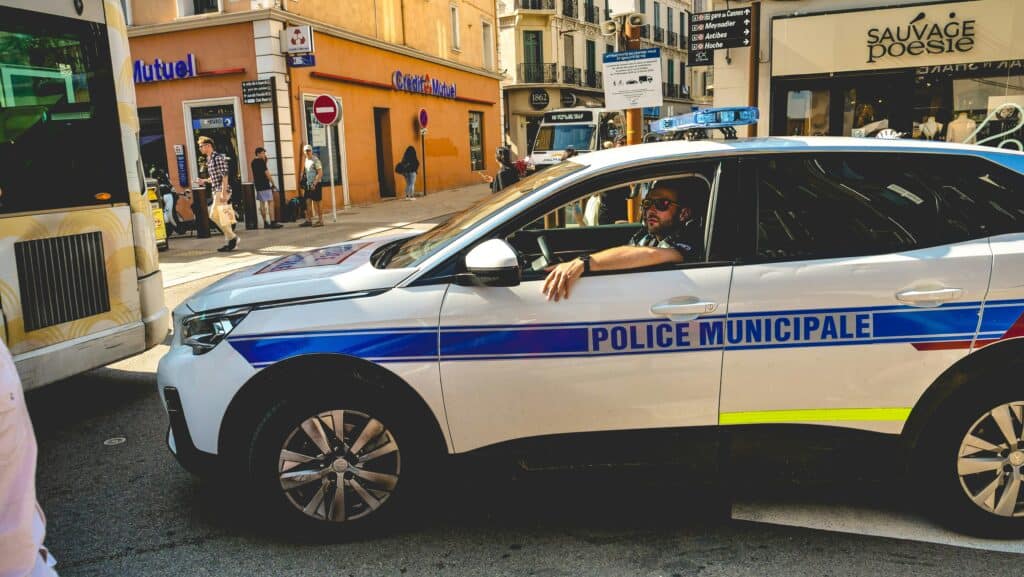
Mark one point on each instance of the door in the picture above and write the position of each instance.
(514, 364)
(385, 160)
(533, 56)
(218, 121)
(863, 285)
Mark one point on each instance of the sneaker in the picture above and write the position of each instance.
(275, 224)
(319, 223)
(232, 244)
(223, 249)
(306, 223)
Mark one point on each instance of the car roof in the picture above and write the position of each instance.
(680, 148)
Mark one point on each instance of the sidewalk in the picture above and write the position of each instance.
(191, 258)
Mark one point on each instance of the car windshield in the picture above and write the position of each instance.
(414, 250)
(562, 136)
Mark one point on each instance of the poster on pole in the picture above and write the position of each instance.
(632, 79)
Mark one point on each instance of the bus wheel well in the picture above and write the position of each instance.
(303, 374)
(991, 361)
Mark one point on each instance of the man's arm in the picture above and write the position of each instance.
(319, 172)
(558, 281)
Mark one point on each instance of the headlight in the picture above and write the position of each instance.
(202, 332)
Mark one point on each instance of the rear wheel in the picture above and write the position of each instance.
(344, 465)
(971, 465)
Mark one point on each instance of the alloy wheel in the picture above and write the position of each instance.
(339, 465)
(990, 461)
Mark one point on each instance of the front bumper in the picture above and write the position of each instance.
(179, 440)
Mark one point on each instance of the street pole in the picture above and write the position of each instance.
(634, 116)
(755, 59)
(330, 162)
(423, 155)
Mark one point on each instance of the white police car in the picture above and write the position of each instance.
(853, 283)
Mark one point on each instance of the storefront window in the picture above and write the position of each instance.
(316, 136)
(807, 112)
(476, 140)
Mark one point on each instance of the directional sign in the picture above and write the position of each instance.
(632, 79)
(257, 91)
(710, 31)
(326, 109)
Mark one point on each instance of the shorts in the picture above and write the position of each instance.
(315, 193)
(265, 195)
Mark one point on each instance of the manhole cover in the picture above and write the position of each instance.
(114, 441)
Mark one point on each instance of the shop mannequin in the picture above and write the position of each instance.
(960, 129)
(930, 128)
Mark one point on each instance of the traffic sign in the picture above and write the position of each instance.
(301, 61)
(710, 31)
(632, 79)
(326, 110)
(423, 117)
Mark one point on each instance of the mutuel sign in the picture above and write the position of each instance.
(922, 35)
(161, 70)
(422, 84)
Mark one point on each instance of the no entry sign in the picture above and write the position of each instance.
(326, 109)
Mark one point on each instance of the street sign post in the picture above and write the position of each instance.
(422, 119)
(710, 31)
(326, 110)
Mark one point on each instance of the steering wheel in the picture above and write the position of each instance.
(547, 257)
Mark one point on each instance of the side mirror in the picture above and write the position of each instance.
(491, 263)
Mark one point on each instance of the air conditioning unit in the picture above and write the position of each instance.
(623, 7)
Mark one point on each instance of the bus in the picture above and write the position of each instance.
(585, 129)
(80, 281)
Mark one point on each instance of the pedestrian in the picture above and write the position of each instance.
(507, 172)
(264, 187)
(408, 167)
(22, 524)
(313, 172)
(221, 212)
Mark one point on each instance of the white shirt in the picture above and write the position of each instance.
(22, 526)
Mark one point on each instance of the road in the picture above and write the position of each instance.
(126, 508)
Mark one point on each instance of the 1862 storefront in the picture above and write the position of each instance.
(950, 71)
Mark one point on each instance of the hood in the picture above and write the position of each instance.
(330, 270)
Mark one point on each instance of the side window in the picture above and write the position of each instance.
(977, 197)
(597, 218)
(840, 204)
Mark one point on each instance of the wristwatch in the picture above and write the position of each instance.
(585, 259)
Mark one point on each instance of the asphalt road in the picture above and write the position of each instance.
(127, 508)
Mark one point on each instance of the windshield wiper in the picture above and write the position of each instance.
(386, 253)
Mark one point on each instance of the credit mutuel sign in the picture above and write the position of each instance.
(924, 35)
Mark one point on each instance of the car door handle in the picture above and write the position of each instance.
(684, 308)
(929, 298)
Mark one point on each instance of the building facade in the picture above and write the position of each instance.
(951, 71)
(385, 68)
(551, 53)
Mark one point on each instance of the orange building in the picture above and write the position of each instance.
(191, 57)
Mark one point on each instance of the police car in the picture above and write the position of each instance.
(875, 285)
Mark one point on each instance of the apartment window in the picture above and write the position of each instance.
(682, 78)
(709, 83)
(609, 48)
(682, 24)
(698, 5)
(488, 32)
(671, 71)
(453, 11)
(657, 15)
(668, 18)
(193, 7)
(643, 6)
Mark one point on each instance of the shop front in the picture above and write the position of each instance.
(951, 71)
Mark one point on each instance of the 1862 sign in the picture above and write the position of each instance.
(920, 36)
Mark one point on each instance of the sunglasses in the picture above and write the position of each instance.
(661, 204)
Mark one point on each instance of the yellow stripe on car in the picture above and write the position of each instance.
(813, 416)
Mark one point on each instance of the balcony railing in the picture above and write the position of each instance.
(592, 13)
(592, 79)
(673, 38)
(570, 8)
(670, 90)
(536, 4)
(659, 34)
(683, 39)
(571, 75)
(538, 72)
(684, 91)
(645, 31)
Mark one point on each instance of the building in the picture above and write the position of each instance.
(551, 54)
(937, 70)
(384, 62)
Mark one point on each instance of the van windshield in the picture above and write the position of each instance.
(562, 136)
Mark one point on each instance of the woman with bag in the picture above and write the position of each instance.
(408, 167)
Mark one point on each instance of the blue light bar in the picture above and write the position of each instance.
(708, 118)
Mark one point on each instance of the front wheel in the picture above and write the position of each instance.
(971, 465)
(334, 464)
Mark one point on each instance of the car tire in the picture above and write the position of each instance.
(378, 460)
(969, 466)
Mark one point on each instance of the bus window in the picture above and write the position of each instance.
(560, 137)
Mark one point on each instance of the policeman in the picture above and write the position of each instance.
(671, 234)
